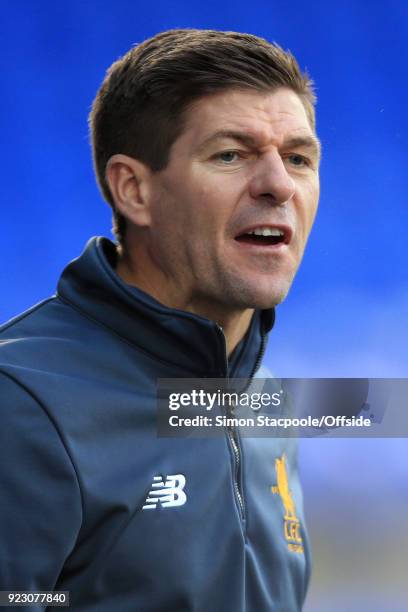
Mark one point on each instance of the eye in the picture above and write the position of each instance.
(228, 156)
(298, 160)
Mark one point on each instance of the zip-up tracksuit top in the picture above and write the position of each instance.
(80, 454)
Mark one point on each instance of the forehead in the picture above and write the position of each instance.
(264, 115)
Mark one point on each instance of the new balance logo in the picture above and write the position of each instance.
(168, 493)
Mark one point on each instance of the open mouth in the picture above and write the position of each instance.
(264, 236)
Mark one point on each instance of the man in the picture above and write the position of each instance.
(204, 145)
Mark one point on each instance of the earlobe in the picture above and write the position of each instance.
(129, 183)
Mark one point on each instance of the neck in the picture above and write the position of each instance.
(234, 323)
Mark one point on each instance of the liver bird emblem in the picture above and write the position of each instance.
(282, 488)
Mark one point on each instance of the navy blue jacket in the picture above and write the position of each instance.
(79, 454)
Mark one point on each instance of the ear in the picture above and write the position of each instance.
(130, 186)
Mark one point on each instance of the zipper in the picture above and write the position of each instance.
(259, 357)
(232, 432)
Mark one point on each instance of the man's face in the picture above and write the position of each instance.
(245, 162)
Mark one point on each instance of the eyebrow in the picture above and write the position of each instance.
(309, 142)
(305, 142)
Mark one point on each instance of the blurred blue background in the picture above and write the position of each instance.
(346, 314)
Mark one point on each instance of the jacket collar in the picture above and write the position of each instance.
(194, 345)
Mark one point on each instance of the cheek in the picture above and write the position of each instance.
(200, 202)
(209, 209)
(310, 198)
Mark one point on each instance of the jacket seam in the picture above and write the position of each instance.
(56, 428)
(26, 313)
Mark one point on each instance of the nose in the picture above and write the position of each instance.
(271, 180)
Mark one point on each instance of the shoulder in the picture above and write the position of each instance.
(41, 336)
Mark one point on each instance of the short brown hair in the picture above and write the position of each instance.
(139, 108)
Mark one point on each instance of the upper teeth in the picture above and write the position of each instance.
(267, 231)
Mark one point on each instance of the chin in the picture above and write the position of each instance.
(262, 295)
(261, 289)
(269, 301)
(270, 292)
